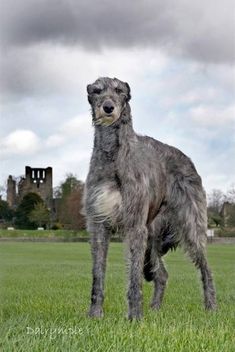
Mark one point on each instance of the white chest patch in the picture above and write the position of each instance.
(107, 203)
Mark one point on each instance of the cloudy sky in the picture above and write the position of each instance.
(178, 57)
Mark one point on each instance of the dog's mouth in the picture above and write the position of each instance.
(105, 119)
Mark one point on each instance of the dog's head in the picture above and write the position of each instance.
(108, 99)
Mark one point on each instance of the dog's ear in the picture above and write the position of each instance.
(128, 91)
(89, 91)
(89, 88)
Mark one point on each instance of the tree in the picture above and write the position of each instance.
(70, 193)
(230, 196)
(66, 187)
(215, 219)
(74, 206)
(215, 200)
(2, 191)
(40, 215)
(231, 216)
(25, 208)
(6, 213)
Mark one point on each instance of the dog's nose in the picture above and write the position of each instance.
(108, 107)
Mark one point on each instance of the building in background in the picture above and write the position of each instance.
(36, 180)
(11, 192)
(228, 214)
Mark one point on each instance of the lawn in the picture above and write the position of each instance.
(45, 291)
(50, 234)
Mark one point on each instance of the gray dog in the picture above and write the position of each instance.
(149, 191)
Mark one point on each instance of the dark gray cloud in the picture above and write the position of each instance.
(199, 30)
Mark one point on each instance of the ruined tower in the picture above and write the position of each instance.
(37, 180)
(11, 192)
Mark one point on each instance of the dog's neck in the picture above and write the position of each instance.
(109, 139)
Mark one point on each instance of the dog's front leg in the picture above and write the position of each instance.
(136, 243)
(99, 247)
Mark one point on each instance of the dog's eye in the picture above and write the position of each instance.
(118, 90)
(97, 90)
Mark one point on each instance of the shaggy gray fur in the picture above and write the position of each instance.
(149, 191)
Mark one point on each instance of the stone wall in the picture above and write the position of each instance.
(36, 180)
(11, 192)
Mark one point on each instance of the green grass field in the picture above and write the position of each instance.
(50, 234)
(45, 292)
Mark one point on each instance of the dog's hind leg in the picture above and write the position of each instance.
(154, 270)
(198, 257)
(160, 277)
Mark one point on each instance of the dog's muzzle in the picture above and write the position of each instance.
(108, 107)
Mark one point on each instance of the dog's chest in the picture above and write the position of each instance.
(106, 203)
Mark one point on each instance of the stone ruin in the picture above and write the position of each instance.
(36, 180)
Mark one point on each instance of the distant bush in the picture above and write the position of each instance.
(226, 232)
(57, 226)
